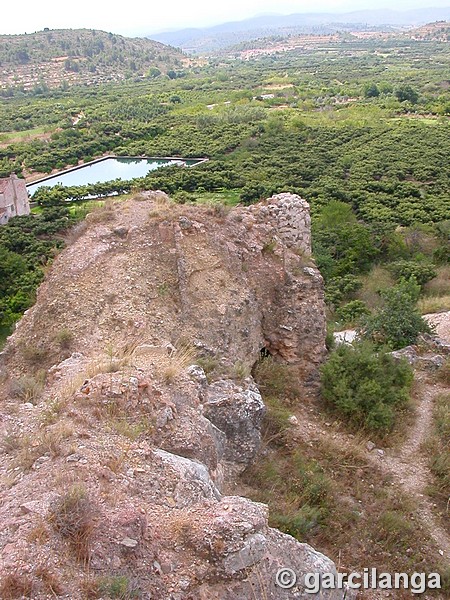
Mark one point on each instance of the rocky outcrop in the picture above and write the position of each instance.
(238, 411)
(230, 284)
(128, 430)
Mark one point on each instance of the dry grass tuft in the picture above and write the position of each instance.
(51, 413)
(50, 581)
(72, 516)
(103, 212)
(131, 430)
(436, 293)
(68, 388)
(33, 354)
(218, 210)
(175, 363)
(49, 442)
(39, 534)
(64, 338)
(378, 279)
(433, 304)
(437, 448)
(14, 585)
(109, 586)
(28, 387)
(276, 379)
(8, 481)
(439, 285)
(182, 527)
(115, 462)
(27, 453)
(10, 443)
(112, 361)
(443, 373)
(160, 198)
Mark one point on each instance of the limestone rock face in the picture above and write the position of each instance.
(237, 410)
(193, 481)
(229, 284)
(130, 422)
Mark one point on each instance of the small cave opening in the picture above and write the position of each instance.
(264, 354)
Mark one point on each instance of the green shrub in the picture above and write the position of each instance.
(182, 197)
(398, 323)
(352, 311)
(329, 338)
(405, 93)
(117, 587)
(252, 193)
(299, 523)
(340, 288)
(406, 269)
(441, 256)
(64, 339)
(299, 492)
(365, 386)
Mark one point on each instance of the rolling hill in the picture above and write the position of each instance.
(52, 57)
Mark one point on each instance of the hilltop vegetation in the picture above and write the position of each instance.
(56, 58)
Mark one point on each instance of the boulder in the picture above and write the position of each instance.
(238, 411)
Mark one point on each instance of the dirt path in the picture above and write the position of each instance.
(406, 464)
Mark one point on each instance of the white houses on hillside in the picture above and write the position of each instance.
(13, 198)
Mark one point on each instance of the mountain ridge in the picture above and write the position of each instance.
(219, 36)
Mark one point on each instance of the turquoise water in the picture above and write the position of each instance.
(108, 169)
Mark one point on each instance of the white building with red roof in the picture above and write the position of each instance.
(14, 199)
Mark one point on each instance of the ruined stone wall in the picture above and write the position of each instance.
(13, 199)
(21, 201)
(290, 216)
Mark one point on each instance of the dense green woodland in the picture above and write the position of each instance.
(360, 129)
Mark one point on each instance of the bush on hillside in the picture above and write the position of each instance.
(398, 323)
(365, 386)
(406, 269)
(351, 312)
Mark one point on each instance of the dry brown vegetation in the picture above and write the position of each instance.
(15, 585)
(72, 516)
(438, 450)
(324, 488)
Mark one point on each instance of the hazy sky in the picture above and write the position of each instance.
(138, 17)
